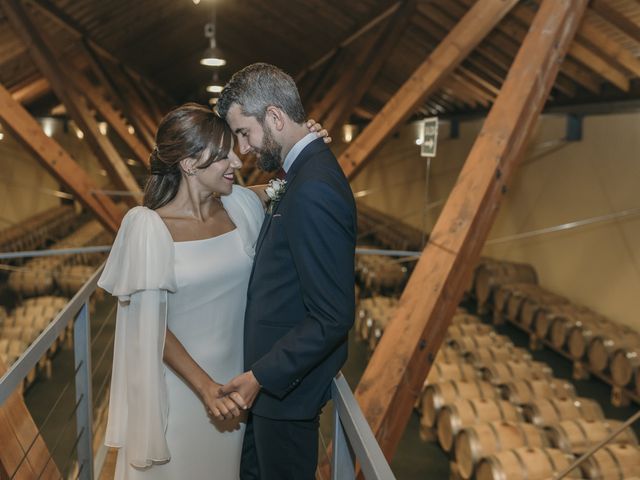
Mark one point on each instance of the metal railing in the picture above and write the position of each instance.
(76, 311)
(353, 439)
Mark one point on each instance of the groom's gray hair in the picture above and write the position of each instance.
(258, 86)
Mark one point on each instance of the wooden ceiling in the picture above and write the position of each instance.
(319, 41)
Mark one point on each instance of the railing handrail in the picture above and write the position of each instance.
(34, 352)
(361, 439)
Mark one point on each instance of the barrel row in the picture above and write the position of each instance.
(37, 230)
(41, 275)
(489, 274)
(387, 230)
(24, 324)
(378, 273)
(594, 343)
(620, 461)
(480, 380)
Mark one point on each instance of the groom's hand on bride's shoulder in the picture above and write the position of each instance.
(246, 385)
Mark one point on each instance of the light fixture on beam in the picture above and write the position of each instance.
(212, 56)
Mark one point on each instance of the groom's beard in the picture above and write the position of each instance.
(269, 154)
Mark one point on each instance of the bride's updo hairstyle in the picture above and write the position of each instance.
(185, 132)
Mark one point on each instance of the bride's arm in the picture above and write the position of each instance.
(177, 357)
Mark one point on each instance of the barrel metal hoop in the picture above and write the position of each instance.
(523, 466)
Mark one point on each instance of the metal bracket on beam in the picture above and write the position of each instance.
(454, 128)
(574, 128)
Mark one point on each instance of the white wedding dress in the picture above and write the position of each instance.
(198, 290)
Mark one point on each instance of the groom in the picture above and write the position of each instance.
(300, 303)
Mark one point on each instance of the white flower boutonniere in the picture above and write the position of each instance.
(275, 190)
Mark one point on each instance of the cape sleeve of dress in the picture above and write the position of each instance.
(247, 213)
(140, 271)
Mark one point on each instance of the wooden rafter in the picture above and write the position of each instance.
(488, 57)
(57, 161)
(19, 434)
(126, 84)
(60, 17)
(510, 32)
(400, 363)
(462, 39)
(589, 32)
(110, 115)
(31, 91)
(367, 71)
(104, 76)
(377, 18)
(611, 15)
(45, 60)
(349, 71)
(583, 54)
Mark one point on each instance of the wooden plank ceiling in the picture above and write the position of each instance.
(162, 40)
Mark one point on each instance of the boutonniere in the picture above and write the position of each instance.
(275, 190)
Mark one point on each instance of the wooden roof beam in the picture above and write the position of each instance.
(395, 374)
(590, 33)
(109, 114)
(509, 31)
(106, 80)
(379, 17)
(24, 453)
(31, 91)
(57, 161)
(367, 71)
(581, 53)
(60, 17)
(348, 73)
(487, 53)
(462, 39)
(46, 61)
(615, 18)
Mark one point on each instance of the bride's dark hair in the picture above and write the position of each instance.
(185, 132)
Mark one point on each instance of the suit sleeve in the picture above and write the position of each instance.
(321, 231)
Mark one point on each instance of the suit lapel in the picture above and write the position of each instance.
(302, 159)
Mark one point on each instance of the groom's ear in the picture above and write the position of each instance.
(275, 117)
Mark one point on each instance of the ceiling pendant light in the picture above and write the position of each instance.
(212, 56)
(215, 86)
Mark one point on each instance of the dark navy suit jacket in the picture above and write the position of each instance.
(300, 303)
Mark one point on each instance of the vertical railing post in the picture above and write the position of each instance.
(84, 400)
(342, 465)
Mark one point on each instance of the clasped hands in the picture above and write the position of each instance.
(230, 400)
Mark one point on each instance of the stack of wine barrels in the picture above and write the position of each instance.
(490, 274)
(380, 274)
(36, 231)
(386, 230)
(372, 316)
(27, 321)
(498, 413)
(594, 343)
(71, 278)
(37, 277)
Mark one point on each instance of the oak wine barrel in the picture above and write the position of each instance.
(578, 435)
(478, 441)
(469, 411)
(525, 463)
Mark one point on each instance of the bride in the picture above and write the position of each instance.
(180, 267)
